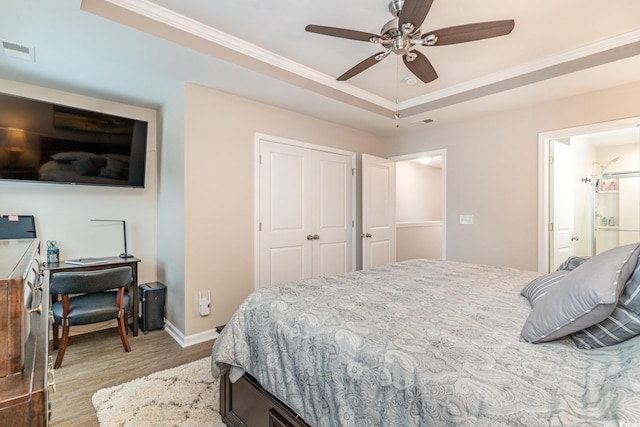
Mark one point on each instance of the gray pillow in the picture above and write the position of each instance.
(630, 298)
(572, 263)
(115, 169)
(621, 325)
(120, 157)
(69, 156)
(88, 166)
(584, 297)
(539, 286)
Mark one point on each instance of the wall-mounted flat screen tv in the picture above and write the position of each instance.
(46, 142)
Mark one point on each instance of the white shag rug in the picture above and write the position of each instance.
(186, 395)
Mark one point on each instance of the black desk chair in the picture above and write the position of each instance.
(101, 297)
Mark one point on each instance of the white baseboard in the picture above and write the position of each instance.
(186, 341)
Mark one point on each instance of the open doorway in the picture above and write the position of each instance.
(420, 205)
(589, 190)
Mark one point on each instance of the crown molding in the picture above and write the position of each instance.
(525, 69)
(505, 78)
(198, 29)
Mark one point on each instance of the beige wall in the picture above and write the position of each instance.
(202, 238)
(63, 212)
(419, 241)
(192, 225)
(219, 183)
(418, 211)
(418, 192)
(492, 171)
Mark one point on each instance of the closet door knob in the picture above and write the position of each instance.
(309, 237)
(316, 237)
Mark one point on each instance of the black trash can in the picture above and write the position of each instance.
(151, 310)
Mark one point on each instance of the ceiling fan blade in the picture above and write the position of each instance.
(414, 11)
(471, 32)
(360, 67)
(420, 67)
(341, 32)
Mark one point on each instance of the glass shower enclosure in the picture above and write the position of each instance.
(616, 210)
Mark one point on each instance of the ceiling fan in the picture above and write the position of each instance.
(402, 34)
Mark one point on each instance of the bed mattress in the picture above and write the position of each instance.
(422, 343)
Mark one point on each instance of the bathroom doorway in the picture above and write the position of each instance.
(603, 186)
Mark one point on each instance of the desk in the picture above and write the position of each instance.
(111, 263)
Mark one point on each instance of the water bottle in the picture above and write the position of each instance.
(53, 253)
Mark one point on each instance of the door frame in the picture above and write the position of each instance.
(544, 180)
(256, 194)
(432, 153)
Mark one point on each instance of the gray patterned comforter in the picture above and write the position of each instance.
(423, 343)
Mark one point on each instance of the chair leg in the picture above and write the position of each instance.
(122, 327)
(63, 346)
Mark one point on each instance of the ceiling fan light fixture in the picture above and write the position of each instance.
(390, 30)
(403, 32)
(400, 45)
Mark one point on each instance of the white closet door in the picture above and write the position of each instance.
(305, 213)
(378, 211)
(285, 213)
(332, 214)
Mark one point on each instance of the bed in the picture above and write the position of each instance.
(421, 342)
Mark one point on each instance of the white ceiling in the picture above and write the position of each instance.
(140, 52)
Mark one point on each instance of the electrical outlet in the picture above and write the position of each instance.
(466, 219)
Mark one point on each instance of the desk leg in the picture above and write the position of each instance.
(134, 298)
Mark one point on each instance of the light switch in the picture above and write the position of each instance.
(466, 219)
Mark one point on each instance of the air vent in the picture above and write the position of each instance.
(16, 50)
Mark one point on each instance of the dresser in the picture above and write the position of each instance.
(24, 368)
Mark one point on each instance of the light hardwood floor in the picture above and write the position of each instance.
(97, 360)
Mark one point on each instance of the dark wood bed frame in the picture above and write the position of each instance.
(246, 404)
